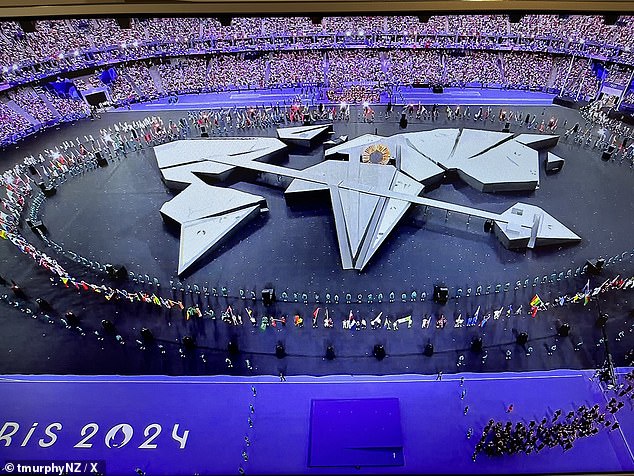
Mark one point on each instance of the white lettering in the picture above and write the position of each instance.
(6, 437)
(49, 432)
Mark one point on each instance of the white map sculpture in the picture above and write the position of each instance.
(370, 190)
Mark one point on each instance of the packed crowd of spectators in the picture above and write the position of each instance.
(235, 71)
(526, 70)
(354, 67)
(408, 67)
(477, 67)
(620, 75)
(187, 75)
(292, 69)
(12, 124)
(68, 109)
(577, 81)
(73, 43)
(30, 102)
(319, 53)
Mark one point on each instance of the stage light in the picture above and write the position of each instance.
(348, 33)
(343, 105)
(15, 66)
(147, 335)
(564, 329)
(378, 352)
(107, 325)
(476, 345)
(189, 342)
(135, 43)
(76, 53)
(233, 347)
(361, 32)
(366, 104)
(61, 56)
(124, 45)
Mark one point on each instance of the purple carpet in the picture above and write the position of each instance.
(183, 425)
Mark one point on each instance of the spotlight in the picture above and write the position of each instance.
(330, 353)
(488, 226)
(522, 338)
(429, 349)
(280, 353)
(378, 352)
(476, 345)
(147, 335)
(189, 342)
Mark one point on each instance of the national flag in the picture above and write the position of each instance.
(476, 314)
(351, 316)
(534, 310)
(586, 299)
(316, 313)
(586, 288)
(536, 301)
(3, 234)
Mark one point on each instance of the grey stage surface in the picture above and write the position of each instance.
(295, 247)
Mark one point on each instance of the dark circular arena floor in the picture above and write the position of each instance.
(112, 215)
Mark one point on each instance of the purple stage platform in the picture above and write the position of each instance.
(131, 422)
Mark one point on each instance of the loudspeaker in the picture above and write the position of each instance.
(107, 325)
(307, 121)
(330, 353)
(280, 353)
(49, 191)
(233, 347)
(189, 342)
(441, 294)
(203, 131)
(378, 352)
(564, 329)
(429, 350)
(476, 345)
(403, 122)
(594, 266)
(522, 338)
(602, 320)
(147, 335)
(101, 160)
(438, 89)
(17, 290)
(268, 296)
(32, 170)
(488, 226)
(507, 127)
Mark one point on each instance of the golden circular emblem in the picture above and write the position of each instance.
(376, 154)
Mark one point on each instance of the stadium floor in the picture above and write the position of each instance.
(216, 410)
